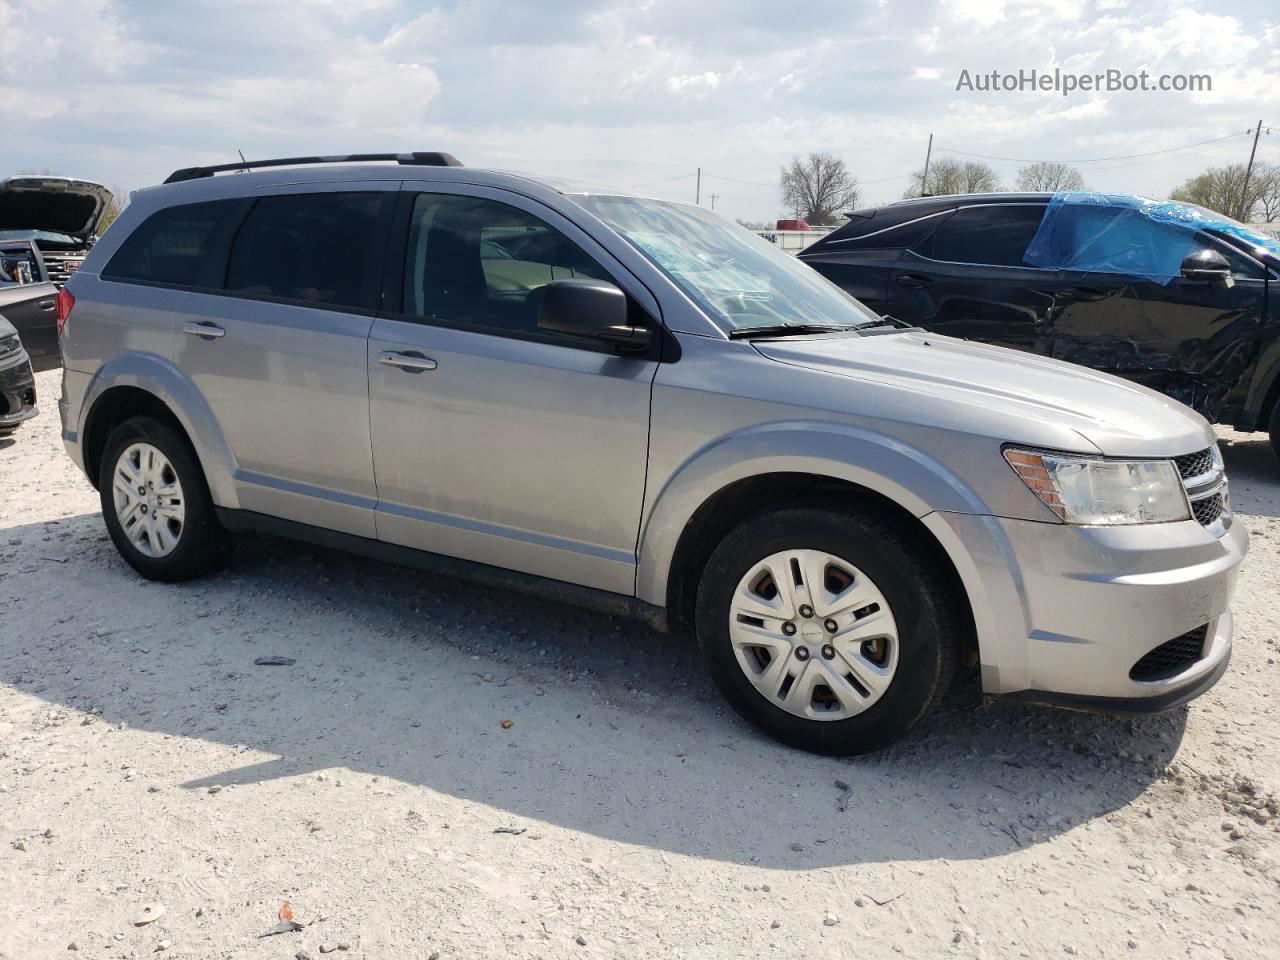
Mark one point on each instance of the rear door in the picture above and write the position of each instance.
(863, 265)
(967, 278)
(280, 352)
(495, 441)
(1134, 316)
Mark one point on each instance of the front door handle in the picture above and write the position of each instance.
(204, 329)
(912, 280)
(406, 361)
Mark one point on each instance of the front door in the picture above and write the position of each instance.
(1132, 314)
(494, 441)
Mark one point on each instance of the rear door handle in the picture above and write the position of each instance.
(204, 329)
(406, 361)
(912, 280)
(46, 304)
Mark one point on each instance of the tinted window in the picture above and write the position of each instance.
(177, 245)
(893, 238)
(319, 248)
(479, 262)
(995, 235)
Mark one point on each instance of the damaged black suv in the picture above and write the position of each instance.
(1169, 295)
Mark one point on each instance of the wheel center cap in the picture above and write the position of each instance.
(810, 632)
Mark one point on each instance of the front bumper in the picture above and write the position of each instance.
(1066, 612)
(17, 391)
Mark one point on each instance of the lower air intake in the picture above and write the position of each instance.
(1171, 657)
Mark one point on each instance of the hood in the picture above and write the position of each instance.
(1117, 417)
(52, 204)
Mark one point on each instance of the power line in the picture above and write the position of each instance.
(653, 183)
(1123, 156)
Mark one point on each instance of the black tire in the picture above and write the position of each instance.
(924, 606)
(1275, 429)
(203, 545)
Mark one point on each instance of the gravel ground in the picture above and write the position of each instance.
(147, 766)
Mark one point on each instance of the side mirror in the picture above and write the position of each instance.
(590, 308)
(1209, 266)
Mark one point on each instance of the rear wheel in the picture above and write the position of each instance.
(156, 503)
(827, 628)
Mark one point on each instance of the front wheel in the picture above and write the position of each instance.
(156, 503)
(827, 628)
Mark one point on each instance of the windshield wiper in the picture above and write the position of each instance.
(885, 321)
(786, 330)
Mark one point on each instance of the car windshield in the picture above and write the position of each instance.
(739, 279)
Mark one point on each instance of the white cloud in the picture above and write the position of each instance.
(607, 90)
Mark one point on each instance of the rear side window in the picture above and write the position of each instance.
(177, 246)
(318, 248)
(994, 235)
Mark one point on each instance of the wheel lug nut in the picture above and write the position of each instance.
(802, 653)
(144, 508)
(806, 610)
(789, 629)
(142, 491)
(828, 651)
(831, 625)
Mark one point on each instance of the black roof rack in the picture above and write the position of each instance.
(431, 159)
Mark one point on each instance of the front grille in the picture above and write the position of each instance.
(1209, 509)
(1171, 657)
(61, 268)
(1194, 464)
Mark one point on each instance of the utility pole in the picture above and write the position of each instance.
(1244, 190)
(714, 198)
(924, 178)
(697, 191)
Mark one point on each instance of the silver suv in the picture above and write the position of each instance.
(629, 403)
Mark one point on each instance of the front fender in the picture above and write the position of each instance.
(905, 474)
(163, 380)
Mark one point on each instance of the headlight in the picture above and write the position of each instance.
(1083, 490)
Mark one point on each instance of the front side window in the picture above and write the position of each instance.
(478, 262)
(737, 278)
(993, 235)
(316, 248)
(176, 246)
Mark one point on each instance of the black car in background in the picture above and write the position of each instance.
(1208, 336)
(17, 385)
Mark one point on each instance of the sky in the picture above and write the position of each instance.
(634, 93)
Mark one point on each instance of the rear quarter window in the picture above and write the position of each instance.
(178, 246)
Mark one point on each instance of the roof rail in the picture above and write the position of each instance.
(431, 159)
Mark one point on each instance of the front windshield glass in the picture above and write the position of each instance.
(741, 280)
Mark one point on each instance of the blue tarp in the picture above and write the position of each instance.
(1120, 233)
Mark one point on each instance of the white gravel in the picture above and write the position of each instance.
(146, 762)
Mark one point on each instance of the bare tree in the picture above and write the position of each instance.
(818, 188)
(1268, 208)
(948, 175)
(1219, 188)
(1049, 176)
